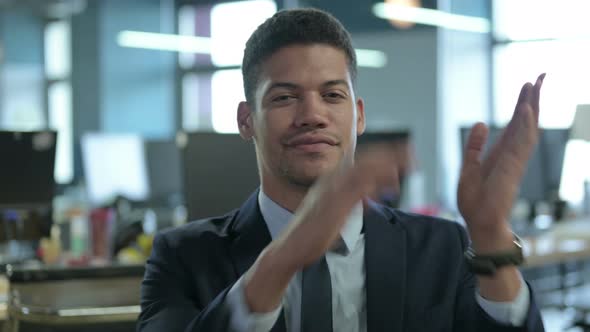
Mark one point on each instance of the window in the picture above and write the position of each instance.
(190, 102)
(540, 19)
(58, 50)
(227, 92)
(553, 38)
(59, 95)
(232, 24)
(210, 96)
(21, 97)
(566, 64)
(60, 119)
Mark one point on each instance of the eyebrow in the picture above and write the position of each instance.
(284, 85)
(293, 86)
(335, 82)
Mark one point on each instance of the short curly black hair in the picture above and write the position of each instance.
(288, 27)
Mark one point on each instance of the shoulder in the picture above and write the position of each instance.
(207, 232)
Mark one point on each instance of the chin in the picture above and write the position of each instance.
(306, 182)
(308, 175)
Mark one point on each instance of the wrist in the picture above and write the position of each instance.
(266, 281)
(491, 240)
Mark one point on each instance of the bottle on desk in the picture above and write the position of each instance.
(51, 247)
(78, 235)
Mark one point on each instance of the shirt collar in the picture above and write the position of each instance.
(277, 217)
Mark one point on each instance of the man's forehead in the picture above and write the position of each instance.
(306, 66)
(305, 73)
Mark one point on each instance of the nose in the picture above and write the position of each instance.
(311, 112)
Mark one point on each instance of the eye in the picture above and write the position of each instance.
(334, 96)
(282, 98)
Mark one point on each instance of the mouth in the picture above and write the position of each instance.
(312, 143)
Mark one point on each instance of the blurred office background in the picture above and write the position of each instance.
(124, 113)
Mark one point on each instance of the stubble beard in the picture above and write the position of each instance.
(288, 170)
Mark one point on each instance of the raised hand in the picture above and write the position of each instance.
(327, 205)
(317, 224)
(488, 186)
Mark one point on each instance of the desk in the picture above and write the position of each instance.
(73, 296)
(557, 258)
(566, 241)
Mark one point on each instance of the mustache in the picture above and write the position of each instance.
(311, 133)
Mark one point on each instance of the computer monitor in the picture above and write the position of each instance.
(26, 173)
(219, 172)
(543, 174)
(554, 143)
(164, 171)
(114, 165)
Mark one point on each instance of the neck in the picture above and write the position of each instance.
(287, 195)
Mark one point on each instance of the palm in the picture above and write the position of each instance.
(487, 187)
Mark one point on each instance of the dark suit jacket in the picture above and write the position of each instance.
(416, 279)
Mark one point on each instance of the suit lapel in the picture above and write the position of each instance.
(251, 237)
(385, 259)
(385, 252)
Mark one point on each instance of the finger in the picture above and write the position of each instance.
(513, 157)
(518, 142)
(471, 176)
(523, 128)
(537, 96)
(526, 97)
(524, 134)
(507, 134)
(529, 101)
(524, 94)
(475, 144)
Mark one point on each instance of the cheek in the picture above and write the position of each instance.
(269, 134)
(346, 125)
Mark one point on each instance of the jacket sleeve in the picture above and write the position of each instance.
(469, 316)
(165, 301)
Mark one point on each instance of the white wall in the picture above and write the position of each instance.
(404, 93)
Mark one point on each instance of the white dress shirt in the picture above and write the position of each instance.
(347, 273)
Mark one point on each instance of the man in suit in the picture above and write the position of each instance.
(309, 251)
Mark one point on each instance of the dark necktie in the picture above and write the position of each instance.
(316, 298)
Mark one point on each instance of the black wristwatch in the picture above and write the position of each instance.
(488, 264)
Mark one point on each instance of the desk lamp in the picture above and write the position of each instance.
(581, 131)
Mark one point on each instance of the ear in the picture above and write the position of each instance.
(360, 116)
(245, 121)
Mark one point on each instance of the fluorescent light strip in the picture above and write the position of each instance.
(431, 17)
(370, 58)
(164, 42)
(193, 44)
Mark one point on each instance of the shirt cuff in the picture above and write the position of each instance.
(242, 319)
(509, 313)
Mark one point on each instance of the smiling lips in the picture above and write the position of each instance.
(312, 143)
